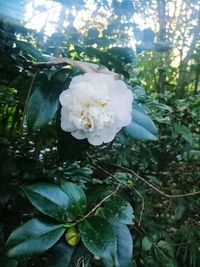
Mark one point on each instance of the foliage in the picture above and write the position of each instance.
(72, 204)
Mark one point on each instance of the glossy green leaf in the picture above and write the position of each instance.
(99, 238)
(77, 197)
(63, 255)
(142, 126)
(51, 200)
(60, 254)
(184, 132)
(43, 103)
(139, 93)
(42, 107)
(180, 208)
(32, 238)
(124, 243)
(146, 244)
(117, 208)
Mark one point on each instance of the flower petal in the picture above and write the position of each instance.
(95, 140)
(79, 134)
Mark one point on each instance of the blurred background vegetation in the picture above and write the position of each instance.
(155, 44)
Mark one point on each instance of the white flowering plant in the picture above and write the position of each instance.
(92, 108)
(96, 106)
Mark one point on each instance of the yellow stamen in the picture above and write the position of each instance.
(101, 104)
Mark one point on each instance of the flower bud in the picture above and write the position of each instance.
(72, 236)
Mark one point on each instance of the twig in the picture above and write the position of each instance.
(110, 174)
(142, 179)
(127, 185)
(84, 66)
(104, 170)
(158, 190)
(152, 186)
(142, 208)
(98, 205)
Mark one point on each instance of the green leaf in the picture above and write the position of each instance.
(29, 49)
(32, 238)
(63, 255)
(166, 247)
(146, 244)
(124, 54)
(99, 238)
(184, 132)
(82, 253)
(142, 126)
(156, 105)
(42, 107)
(124, 243)
(117, 208)
(77, 197)
(43, 103)
(139, 92)
(51, 200)
(60, 254)
(180, 209)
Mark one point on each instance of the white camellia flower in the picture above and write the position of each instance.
(96, 107)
